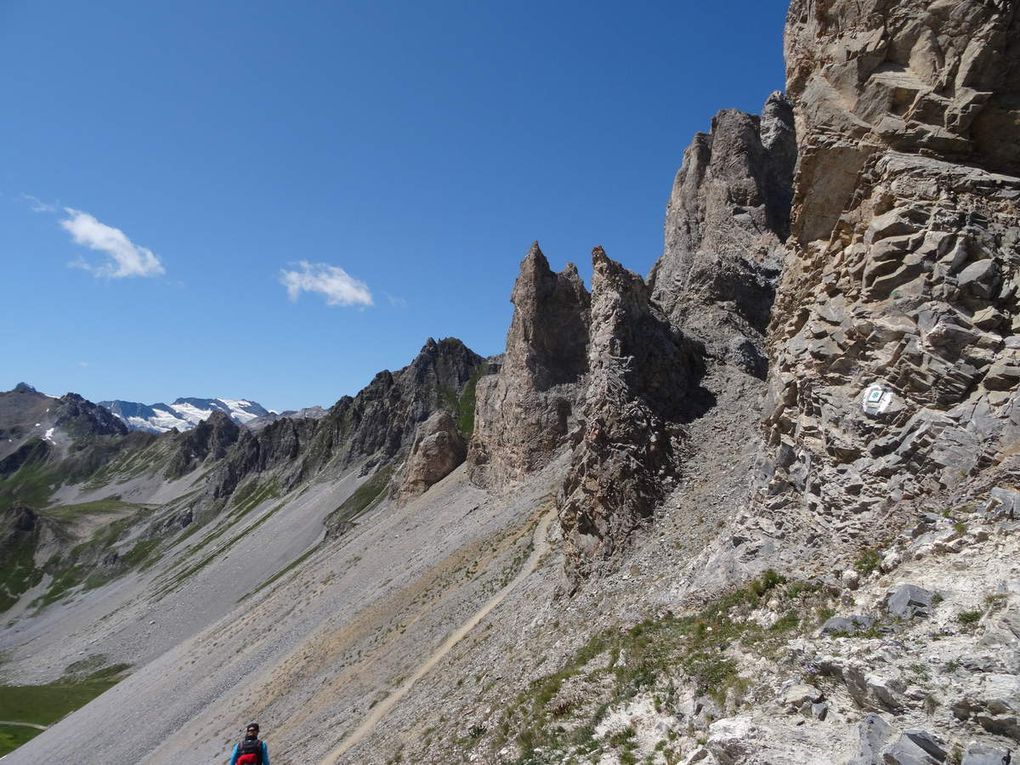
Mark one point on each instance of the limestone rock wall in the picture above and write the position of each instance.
(438, 449)
(896, 332)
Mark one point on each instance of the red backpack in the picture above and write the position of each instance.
(249, 752)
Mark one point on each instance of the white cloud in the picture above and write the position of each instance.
(124, 257)
(338, 286)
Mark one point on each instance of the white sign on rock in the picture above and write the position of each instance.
(877, 399)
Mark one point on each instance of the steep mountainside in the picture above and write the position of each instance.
(758, 509)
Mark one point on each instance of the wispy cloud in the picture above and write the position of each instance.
(123, 257)
(37, 205)
(338, 286)
(396, 301)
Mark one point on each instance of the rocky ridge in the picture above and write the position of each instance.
(642, 376)
(854, 600)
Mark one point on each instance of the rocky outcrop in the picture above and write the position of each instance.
(642, 374)
(210, 439)
(896, 342)
(524, 411)
(438, 449)
(726, 221)
(83, 420)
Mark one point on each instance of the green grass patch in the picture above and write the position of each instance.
(98, 507)
(13, 736)
(867, 562)
(84, 563)
(466, 402)
(18, 573)
(969, 617)
(47, 704)
(32, 485)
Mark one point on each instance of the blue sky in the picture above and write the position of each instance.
(163, 166)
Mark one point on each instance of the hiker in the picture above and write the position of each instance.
(250, 751)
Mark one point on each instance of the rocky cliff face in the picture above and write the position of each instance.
(641, 376)
(82, 419)
(524, 411)
(726, 221)
(895, 346)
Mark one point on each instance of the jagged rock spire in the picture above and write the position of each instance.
(726, 221)
(523, 412)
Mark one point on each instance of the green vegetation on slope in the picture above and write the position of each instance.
(361, 500)
(94, 562)
(31, 486)
(462, 406)
(655, 656)
(18, 572)
(46, 704)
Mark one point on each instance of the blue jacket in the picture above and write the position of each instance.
(265, 754)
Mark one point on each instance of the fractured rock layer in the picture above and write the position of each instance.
(641, 382)
(903, 275)
(439, 447)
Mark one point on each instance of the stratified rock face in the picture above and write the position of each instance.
(726, 221)
(641, 375)
(938, 78)
(896, 338)
(523, 412)
(438, 449)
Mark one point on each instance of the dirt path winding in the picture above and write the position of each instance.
(24, 724)
(539, 548)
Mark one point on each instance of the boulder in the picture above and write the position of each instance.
(438, 449)
(915, 747)
(847, 625)
(796, 696)
(985, 754)
(732, 740)
(873, 732)
(994, 704)
(906, 601)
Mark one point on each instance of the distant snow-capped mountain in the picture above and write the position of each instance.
(183, 414)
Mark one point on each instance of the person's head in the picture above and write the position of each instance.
(252, 731)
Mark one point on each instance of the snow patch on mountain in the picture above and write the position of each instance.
(182, 414)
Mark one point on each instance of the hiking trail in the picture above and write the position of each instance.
(540, 547)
